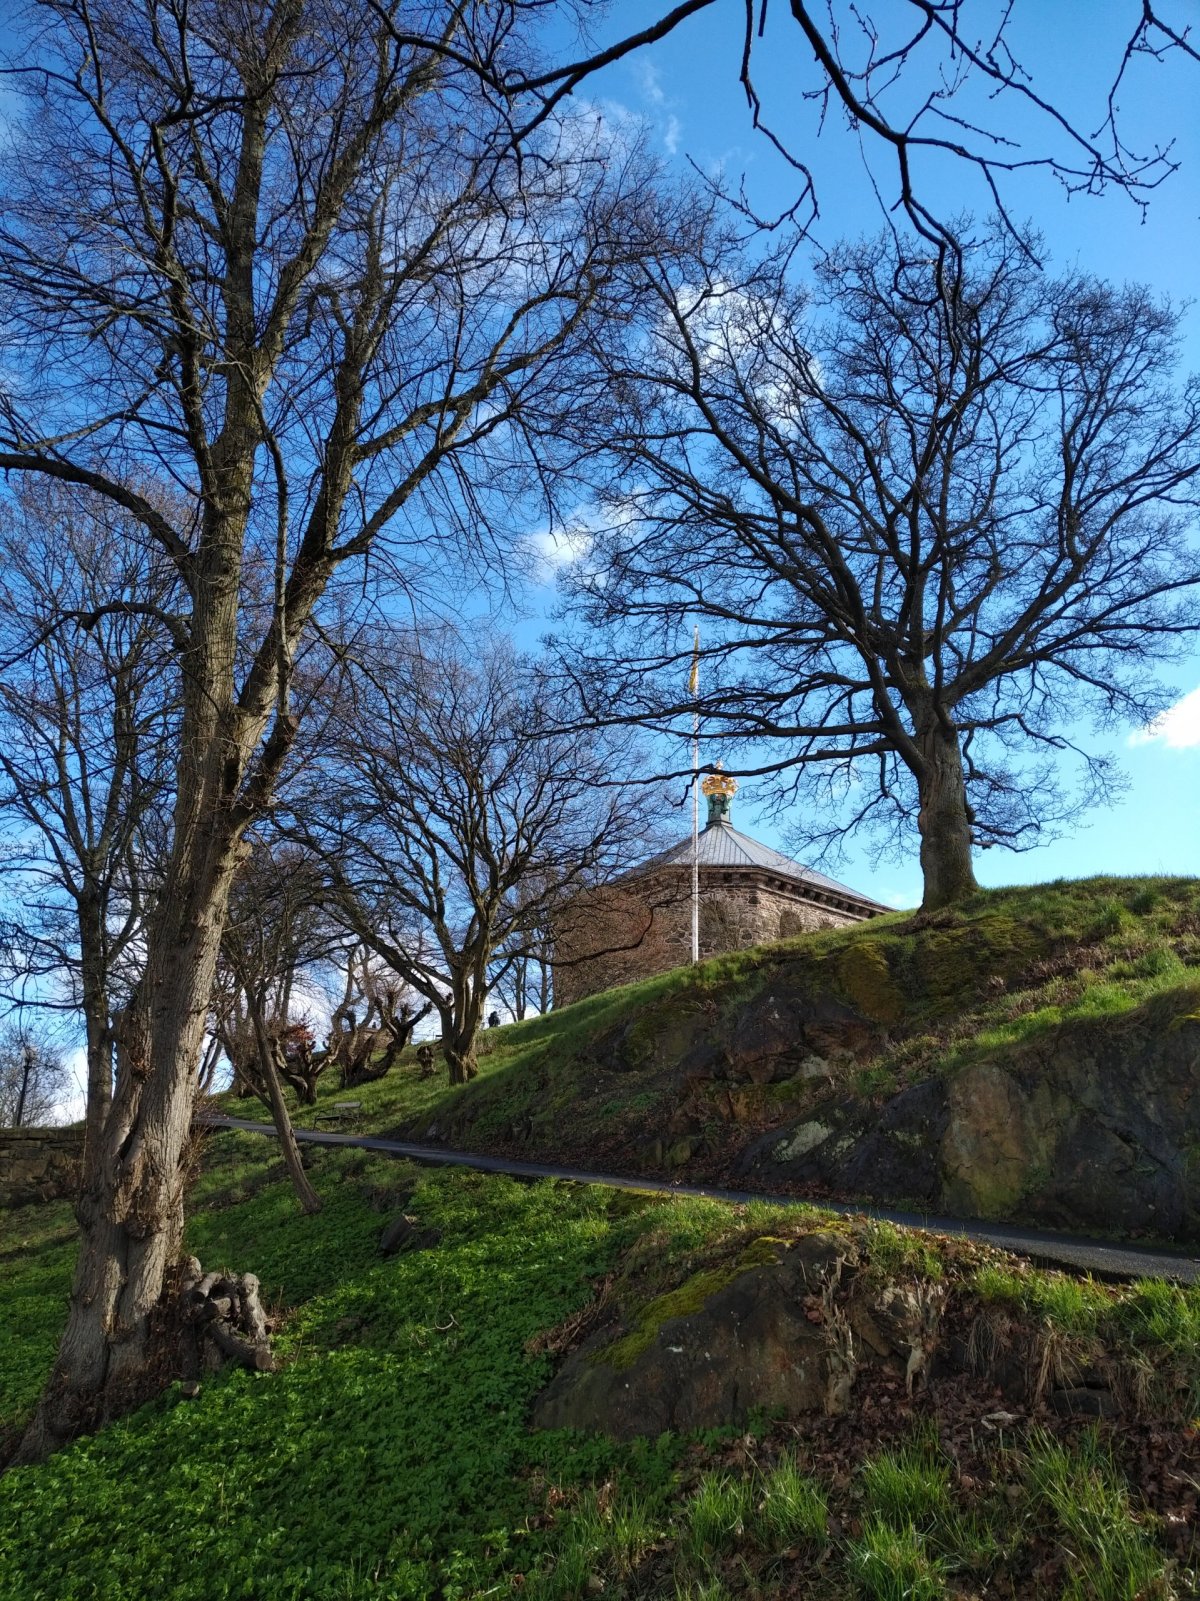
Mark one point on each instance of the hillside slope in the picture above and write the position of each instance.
(1033, 1055)
(931, 1444)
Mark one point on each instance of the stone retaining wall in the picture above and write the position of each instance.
(38, 1164)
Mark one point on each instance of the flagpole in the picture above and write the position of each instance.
(694, 685)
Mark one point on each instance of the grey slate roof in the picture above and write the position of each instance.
(722, 845)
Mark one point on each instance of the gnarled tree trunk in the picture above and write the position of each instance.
(131, 1207)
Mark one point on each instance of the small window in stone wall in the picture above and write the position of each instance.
(790, 923)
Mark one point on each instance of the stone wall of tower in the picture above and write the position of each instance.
(617, 934)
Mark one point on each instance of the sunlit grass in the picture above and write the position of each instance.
(792, 1509)
(1112, 1556)
(892, 1564)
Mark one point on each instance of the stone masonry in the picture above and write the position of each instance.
(38, 1164)
(642, 928)
(641, 924)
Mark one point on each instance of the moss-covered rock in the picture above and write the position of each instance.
(1091, 1126)
(866, 978)
(730, 1340)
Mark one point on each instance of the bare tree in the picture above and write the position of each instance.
(919, 83)
(375, 1020)
(451, 817)
(86, 716)
(924, 532)
(276, 928)
(284, 256)
(524, 969)
(33, 1078)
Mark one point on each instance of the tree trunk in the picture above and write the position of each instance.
(944, 819)
(99, 1037)
(543, 985)
(460, 1025)
(131, 1210)
(310, 1201)
(460, 1058)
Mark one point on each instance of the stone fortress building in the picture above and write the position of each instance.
(641, 923)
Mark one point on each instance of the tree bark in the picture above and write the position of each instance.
(131, 1209)
(944, 819)
(460, 1025)
(99, 1036)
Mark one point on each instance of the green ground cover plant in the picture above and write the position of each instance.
(385, 1458)
(390, 1456)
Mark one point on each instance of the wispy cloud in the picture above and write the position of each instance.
(659, 106)
(1178, 728)
(548, 550)
(650, 83)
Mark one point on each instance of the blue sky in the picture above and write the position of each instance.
(686, 89)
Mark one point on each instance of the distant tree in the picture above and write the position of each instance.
(374, 1021)
(276, 929)
(87, 714)
(927, 521)
(33, 1078)
(523, 977)
(450, 816)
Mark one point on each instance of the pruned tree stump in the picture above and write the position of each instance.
(221, 1321)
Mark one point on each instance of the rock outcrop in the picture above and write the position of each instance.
(995, 1062)
(1093, 1126)
(707, 1354)
(799, 1326)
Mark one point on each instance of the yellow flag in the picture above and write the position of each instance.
(694, 679)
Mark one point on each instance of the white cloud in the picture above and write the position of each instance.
(550, 549)
(735, 333)
(660, 108)
(650, 83)
(1178, 728)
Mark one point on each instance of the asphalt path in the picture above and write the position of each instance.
(1101, 1258)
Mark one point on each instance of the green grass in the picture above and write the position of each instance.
(718, 1513)
(907, 1487)
(891, 1564)
(1152, 1327)
(37, 1252)
(793, 1508)
(1112, 1554)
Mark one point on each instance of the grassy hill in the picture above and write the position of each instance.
(391, 1455)
(1031, 1055)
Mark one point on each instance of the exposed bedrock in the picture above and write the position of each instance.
(796, 1329)
(1094, 1125)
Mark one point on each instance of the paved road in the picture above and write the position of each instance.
(1101, 1258)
